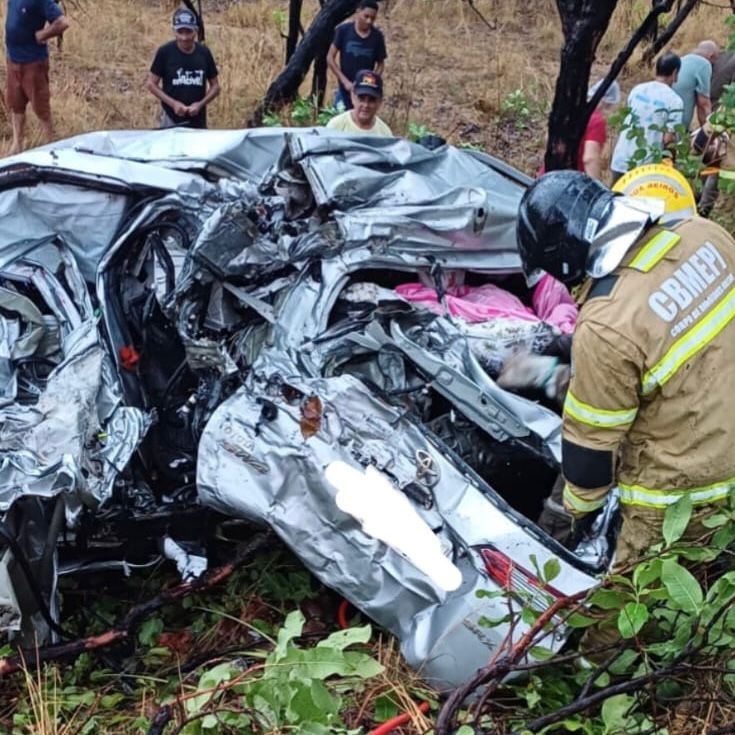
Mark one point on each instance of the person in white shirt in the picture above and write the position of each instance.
(367, 97)
(655, 111)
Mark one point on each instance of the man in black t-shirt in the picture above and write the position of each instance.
(183, 76)
(360, 46)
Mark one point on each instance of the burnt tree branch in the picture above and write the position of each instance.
(317, 38)
(197, 12)
(584, 22)
(668, 33)
(642, 32)
(294, 27)
(126, 627)
(319, 77)
(495, 672)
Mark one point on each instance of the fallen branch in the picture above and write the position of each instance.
(492, 675)
(728, 729)
(491, 26)
(497, 671)
(160, 720)
(126, 627)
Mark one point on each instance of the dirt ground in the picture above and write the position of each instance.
(477, 73)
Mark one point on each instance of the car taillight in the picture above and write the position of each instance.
(510, 575)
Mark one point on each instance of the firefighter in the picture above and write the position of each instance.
(653, 355)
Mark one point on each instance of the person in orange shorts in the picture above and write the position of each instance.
(29, 25)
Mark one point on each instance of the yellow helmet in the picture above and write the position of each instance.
(659, 181)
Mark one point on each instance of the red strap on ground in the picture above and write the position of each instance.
(394, 722)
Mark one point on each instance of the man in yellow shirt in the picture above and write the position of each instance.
(367, 97)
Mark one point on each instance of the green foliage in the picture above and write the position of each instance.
(471, 147)
(291, 690)
(676, 519)
(522, 109)
(150, 630)
(280, 18)
(662, 613)
(415, 131)
(303, 112)
(678, 152)
(272, 120)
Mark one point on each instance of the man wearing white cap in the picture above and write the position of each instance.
(183, 76)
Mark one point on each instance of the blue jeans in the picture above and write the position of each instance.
(343, 98)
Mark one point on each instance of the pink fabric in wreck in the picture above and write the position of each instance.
(551, 303)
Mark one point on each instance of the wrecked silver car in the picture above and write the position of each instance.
(294, 327)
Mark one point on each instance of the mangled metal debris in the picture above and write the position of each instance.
(238, 321)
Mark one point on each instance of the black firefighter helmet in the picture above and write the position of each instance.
(558, 217)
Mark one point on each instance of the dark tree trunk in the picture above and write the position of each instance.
(667, 34)
(319, 76)
(645, 30)
(584, 22)
(294, 27)
(285, 87)
(198, 14)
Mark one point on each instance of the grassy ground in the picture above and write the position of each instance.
(483, 76)
(211, 655)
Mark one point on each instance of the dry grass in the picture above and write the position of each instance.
(446, 68)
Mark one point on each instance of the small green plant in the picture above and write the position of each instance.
(304, 111)
(628, 123)
(469, 146)
(524, 108)
(516, 105)
(279, 18)
(416, 131)
(272, 120)
(327, 113)
(290, 690)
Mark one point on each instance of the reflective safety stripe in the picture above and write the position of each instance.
(601, 417)
(693, 341)
(580, 505)
(654, 250)
(649, 498)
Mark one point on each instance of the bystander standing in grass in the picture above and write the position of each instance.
(183, 76)
(367, 97)
(360, 45)
(29, 25)
(694, 81)
(655, 111)
(589, 159)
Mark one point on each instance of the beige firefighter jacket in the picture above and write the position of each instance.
(653, 375)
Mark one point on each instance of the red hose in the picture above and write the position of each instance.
(342, 614)
(394, 722)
